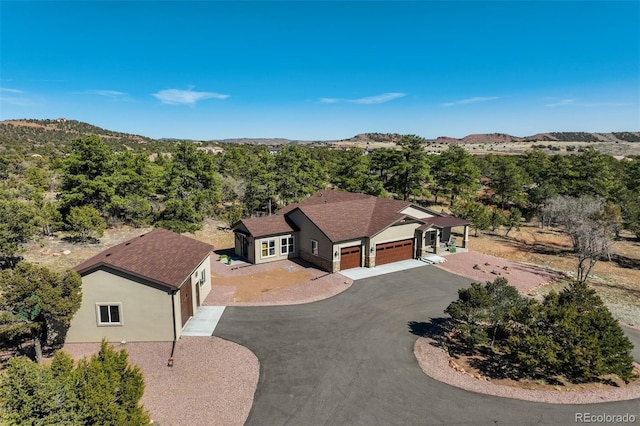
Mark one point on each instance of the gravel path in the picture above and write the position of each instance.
(522, 276)
(435, 363)
(212, 381)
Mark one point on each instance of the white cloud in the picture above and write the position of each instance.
(15, 97)
(572, 102)
(108, 93)
(185, 97)
(377, 99)
(471, 100)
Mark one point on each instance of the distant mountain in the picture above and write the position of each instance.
(544, 137)
(59, 131)
(53, 133)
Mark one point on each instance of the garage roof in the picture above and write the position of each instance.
(160, 256)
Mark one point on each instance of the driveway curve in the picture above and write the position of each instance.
(348, 360)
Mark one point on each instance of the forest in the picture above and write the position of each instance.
(92, 185)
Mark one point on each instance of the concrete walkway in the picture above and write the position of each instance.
(360, 273)
(204, 322)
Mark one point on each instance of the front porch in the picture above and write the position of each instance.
(437, 240)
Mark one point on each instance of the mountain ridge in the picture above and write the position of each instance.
(70, 129)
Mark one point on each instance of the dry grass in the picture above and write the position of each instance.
(616, 281)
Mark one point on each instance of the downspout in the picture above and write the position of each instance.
(175, 332)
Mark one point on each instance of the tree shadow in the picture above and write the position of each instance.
(626, 262)
(9, 262)
(80, 240)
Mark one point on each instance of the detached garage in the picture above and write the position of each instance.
(144, 289)
(394, 251)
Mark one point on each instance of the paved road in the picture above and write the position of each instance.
(349, 360)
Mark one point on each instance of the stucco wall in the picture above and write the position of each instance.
(205, 289)
(394, 233)
(417, 212)
(309, 231)
(146, 311)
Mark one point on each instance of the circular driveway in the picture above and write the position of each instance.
(348, 360)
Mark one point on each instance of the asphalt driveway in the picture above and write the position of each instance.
(349, 360)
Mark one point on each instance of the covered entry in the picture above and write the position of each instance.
(350, 257)
(394, 251)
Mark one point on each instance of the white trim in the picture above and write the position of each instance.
(269, 247)
(315, 251)
(288, 247)
(109, 323)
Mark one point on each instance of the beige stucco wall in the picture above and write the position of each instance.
(417, 212)
(309, 231)
(238, 243)
(256, 248)
(397, 232)
(146, 311)
(205, 289)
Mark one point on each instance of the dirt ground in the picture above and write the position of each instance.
(466, 364)
(257, 284)
(616, 281)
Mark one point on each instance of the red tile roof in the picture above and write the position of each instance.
(160, 256)
(270, 225)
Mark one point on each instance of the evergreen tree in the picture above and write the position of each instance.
(17, 225)
(104, 390)
(299, 175)
(455, 172)
(87, 175)
(36, 300)
(411, 173)
(85, 222)
(353, 174)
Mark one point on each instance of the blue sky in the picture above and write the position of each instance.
(323, 70)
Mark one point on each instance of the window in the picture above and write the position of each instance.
(314, 247)
(286, 245)
(109, 313)
(268, 248)
(203, 276)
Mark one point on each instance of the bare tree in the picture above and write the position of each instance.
(585, 220)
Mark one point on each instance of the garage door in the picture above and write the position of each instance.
(350, 257)
(394, 251)
(186, 302)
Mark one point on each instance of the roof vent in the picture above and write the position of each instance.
(127, 243)
(107, 255)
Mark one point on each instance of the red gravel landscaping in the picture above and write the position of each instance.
(522, 276)
(212, 381)
(269, 283)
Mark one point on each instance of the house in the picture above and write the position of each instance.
(337, 230)
(144, 289)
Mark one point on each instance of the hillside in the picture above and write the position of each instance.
(43, 136)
